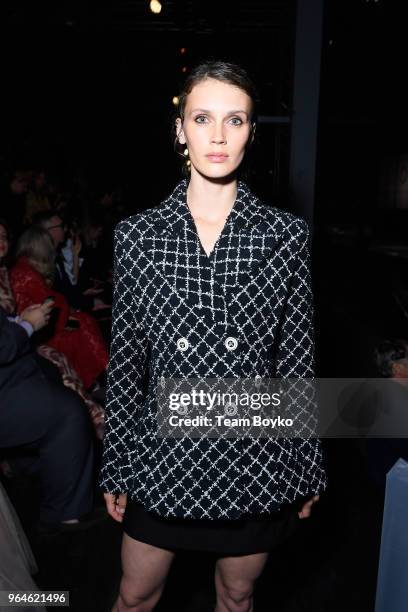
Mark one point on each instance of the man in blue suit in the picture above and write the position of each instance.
(41, 415)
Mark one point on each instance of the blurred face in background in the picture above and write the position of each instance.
(216, 127)
(40, 180)
(56, 229)
(19, 183)
(95, 232)
(400, 368)
(4, 242)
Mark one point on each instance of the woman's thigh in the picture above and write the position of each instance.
(239, 573)
(145, 569)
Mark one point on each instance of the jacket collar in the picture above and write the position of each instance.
(175, 214)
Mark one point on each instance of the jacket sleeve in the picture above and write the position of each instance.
(14, 340)
(128, 357)
(295, 346)
(295, 357)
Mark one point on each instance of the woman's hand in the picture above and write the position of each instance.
(116, 505)
(307, 507)
(38, 315)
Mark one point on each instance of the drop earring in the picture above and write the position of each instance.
(188, 163)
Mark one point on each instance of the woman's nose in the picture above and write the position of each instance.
(218, 135)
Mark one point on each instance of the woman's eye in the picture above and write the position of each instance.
(203, 118)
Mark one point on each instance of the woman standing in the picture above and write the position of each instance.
(211, 283)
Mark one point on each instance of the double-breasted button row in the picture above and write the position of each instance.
(230, 343)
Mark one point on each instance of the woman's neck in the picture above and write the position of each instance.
(211, 200)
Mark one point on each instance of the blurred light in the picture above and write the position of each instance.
(182, 50)
(184, 69)
(331, 41)
(155, 6)
(175, 100)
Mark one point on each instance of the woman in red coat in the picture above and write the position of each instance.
(74, 333)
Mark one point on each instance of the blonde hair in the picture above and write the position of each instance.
(37, 245)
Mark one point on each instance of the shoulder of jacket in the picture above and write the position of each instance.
(283, 221)
(136, 225)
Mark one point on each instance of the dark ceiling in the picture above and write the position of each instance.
(176, 15)
(94, 80)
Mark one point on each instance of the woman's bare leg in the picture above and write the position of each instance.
(145, 569)
(234, 581)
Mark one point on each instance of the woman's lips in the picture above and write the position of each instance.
(214, 157)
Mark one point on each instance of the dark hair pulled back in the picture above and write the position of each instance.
(227, 72)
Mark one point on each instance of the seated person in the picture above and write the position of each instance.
(390, 406)
(72, 332)
(37, 197)
(66, 371)
(68, 279)
(40, 415)
(97, 263)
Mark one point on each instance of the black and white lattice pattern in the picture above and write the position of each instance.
(244, 310)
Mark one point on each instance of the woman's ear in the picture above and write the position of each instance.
(179, 130)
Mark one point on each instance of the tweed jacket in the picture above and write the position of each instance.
(243, 311)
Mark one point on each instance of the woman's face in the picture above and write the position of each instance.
(4, 243)
(216, 127)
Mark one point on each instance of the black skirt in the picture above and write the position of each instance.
(244, 536)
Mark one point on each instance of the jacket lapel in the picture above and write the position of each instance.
(246, 241)
(178, 255)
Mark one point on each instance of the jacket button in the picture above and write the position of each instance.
(231, 343)
(231, 409)
(182, 344)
